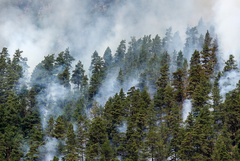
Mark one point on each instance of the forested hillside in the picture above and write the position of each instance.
(148, 100)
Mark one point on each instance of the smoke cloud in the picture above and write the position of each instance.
(227, 22)
(187, 107)
(44, 27)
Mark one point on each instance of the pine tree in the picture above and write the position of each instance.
(98, 74)
(120, 77)
(97, 136)
(50, 127)
(59, 128)
(159, 97)
(81, 137)
(152, 71)
(35, 143)
(208, 57)
(64, 59)
(120, 53)
(180, 59)
(71, 152)
(108, 57)
(156, 45)
(195, 73)
(78, 75)
(200, 96)
(64, 78)
(230, 64)
(167, 40)
(178, 86)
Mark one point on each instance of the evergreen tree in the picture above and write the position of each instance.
(64, 78)
(97, 136)
(208, 57)
(120, 53)
(35, 143)
(152, 71)
(167, 40)
(159, 97)
(120, 78)
(71, 151)
(230, 64)
(108, 57)
(156, 45)
(78, 75)
(195, 73)
(50, 127)
(95, 57)
(81, 137)
(180, 59)
(59, 128)
(178, 86)
(64, 59)
(98, 74)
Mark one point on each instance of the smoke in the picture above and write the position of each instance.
(111, 86)
(50, 148)
(44, 27)
(123, 128)
(187, 107)
(48, 102)
(227, 26)
(228, 82)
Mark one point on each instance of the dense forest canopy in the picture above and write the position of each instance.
(150, 97)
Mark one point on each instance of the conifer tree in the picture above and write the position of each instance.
(64, 59)
(78, 75)
(81, 137)
(120, 53)
(64, 78)
(98, 74)
(35, 143)
(120, 77)
(208, 56)
(159, 97)
(167, 40)
(50, 127)
(195, 73)
(71, 151)
(59, 128)
(230, 64)
(156, 45)
(97, 137)
(108, 57)
(152, 71)
(178, 86)
(180, 59)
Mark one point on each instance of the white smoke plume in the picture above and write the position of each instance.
(226, 18)
(50, 98)
(44, 27)
(50, 148)
(228, 82)
(187, 107)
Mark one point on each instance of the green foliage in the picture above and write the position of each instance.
(71, 149)
(230, 64)
(98, 74)
(64, 78)
(108, 57)
(78, 75)
(59, 128)
(120, 53)
(136, 126)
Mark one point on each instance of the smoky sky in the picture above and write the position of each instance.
(43, 27)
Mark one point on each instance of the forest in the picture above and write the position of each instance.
(145, 101)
